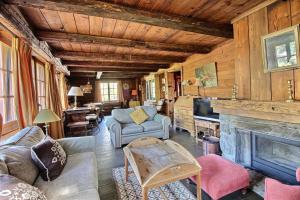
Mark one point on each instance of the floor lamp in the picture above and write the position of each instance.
(46, 116)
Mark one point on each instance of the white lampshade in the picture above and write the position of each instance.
(46, 116)
(75, 91)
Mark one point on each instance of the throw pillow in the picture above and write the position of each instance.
(18, 162)
(13, 188)
(139, 116)
(50, 158)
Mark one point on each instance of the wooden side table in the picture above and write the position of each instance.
(206, 125)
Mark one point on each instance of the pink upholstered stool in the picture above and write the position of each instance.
(275, 190)
(221, 177)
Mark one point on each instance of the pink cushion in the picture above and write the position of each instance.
(274, 190)
(221, 177)
(298, 174)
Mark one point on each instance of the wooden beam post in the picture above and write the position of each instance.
(50, 36)
(110, 69)
(115, 11)
(113, 64)
(99, 57)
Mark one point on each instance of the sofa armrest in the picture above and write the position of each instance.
(74, 145)
(115, 129)
(166, 122)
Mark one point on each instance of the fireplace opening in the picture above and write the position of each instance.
(276, 157)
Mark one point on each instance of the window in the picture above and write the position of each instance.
(6, 87)
(150, 89)
(38, 73)
(109, 91)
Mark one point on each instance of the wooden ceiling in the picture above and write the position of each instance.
(130, 35)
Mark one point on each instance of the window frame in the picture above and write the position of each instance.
(36, 82)
(11, 127)
(109, 91)
(150, 89)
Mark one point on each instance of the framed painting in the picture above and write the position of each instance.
(207, 75)
(281, 49)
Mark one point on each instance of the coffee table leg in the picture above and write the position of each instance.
(126, 168)
(199, 197)
(144, 193)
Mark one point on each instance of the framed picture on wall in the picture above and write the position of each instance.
(281, 49)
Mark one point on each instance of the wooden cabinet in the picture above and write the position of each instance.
(184, 114)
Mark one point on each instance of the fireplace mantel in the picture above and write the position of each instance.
(268, 110)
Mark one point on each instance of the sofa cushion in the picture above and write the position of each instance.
(50, 158)
(18, 163)
(151, 126)
(131, 128)
(139, 116)
(150, 111)
(122, 115)
(79, 175)
(12, 188)
(28, 136)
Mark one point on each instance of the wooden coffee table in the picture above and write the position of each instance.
(156, 163)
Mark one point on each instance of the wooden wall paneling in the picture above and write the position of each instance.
(260, 81)
(279, 17)
(295, 14)
(242, 62)
(225, 67)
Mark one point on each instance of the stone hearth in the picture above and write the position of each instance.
(267, 146)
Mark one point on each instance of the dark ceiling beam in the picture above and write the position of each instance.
(13, 20)
(99, 57)
(106, 76)
(115, 11)
(50, 36)
(92, 64)
(111, 69)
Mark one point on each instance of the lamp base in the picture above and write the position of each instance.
(46, 129)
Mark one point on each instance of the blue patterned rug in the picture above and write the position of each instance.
(131, 190)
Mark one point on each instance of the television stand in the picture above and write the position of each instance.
(207, 126)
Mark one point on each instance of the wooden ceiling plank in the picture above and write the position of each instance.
(117, 42)
(82, 23)
(36, 17)
(84, 56)
(114, 11)
(68, 22)
(52, 19)
(13, 20)
(108, 27)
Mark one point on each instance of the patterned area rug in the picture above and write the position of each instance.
(131, 190)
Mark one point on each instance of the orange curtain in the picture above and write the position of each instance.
(53, 102)
(63, 91)
(25, 95)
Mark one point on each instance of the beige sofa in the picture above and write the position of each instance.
(78, 180)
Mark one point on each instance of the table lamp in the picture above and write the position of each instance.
(46, 116)
(134, 93)
(75, 91)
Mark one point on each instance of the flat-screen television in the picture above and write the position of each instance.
(203, 109)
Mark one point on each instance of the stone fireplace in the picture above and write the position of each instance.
(266, 146)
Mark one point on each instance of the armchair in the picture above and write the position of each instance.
(123, 130)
